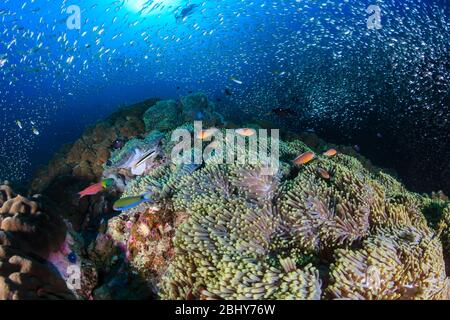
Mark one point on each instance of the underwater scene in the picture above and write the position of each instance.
(224, 150)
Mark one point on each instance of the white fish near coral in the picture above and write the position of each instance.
(139, 170)
(137, 162)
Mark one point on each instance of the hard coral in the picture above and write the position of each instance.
(28, 236)
(24, 226)
(169, 114)
(23, 277)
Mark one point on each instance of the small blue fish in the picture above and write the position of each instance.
(72, 257)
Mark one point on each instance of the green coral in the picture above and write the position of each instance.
(164, 115)
(168, 114)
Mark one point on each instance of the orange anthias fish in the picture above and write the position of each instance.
(330, 153)
(206, 134)
(245, 132)
(304, 158)
(95, 188)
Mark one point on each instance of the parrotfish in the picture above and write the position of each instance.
(96, 188)
(131, 202)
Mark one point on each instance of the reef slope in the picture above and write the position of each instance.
(333, 228)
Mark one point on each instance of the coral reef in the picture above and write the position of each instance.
(77, 166)
(443, 229)
(169, 114)
(41, 257)
(336, 227)
(23, 277)
(400, 262)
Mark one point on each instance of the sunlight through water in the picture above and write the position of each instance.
(148, 7)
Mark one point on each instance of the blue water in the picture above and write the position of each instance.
(299, 54)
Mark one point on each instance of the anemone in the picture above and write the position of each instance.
(236, 232)
(400, 262)
(443, 231)
(326, 213)
(251, 236)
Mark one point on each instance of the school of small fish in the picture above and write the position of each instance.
(314, 61)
